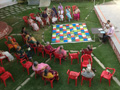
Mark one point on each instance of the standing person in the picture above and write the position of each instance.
(108, 34)
(53, 17)
(60, 14)
(45, 16)
(76, 13)
(38, 18)
(68, 14)
(60, 7)
(55, 10)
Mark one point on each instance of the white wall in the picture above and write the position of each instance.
(5, 1)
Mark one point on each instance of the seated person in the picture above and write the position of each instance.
(40, 45)
(20, 52)
(40, 11)
(108, 34)
(49, 47)
(45, 16)
(6, 54)
(31, 40)
(68, 13)
(48, 11)
(53, 17)
(38, 18)
(60, 13)
(88, 73)
(55, 10)
(50, 74)
(106, 25)
(40, 67)
(60, 50)
(87, 50)
(26, 35)
(12, 43)
(60, 7)
(23, 32)
(30, 21)
(35, 26)
(76, 13)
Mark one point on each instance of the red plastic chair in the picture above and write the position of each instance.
(39, 49)
(6, 37)
(18, 57)
(85, 60)
(25, 18)
(59, 56)
(26, 65)
(70, 12)
(38, 24)
(74, 56)
(48, 52)
(5, 76)
(87, 79)
(2, 57)
(23, 38)
(2, 70)
(32, 15)
(73, 8)
(107, 75)
(73, 75)
(33, 46)
(9, 45)
(50, 80)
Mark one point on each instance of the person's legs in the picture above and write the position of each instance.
(105, 38)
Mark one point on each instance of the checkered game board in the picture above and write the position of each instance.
(70, 33)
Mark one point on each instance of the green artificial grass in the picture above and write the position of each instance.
(104, 53)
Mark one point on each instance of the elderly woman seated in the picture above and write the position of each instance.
(40, 67)
(50, 74)
(12, 43)
(88, 50)
(76, 13)
(88, 73)
(49, 47)
(60, 50)
(6, 54)
(68, 13)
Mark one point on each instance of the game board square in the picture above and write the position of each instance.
(57, 33)
(61, 29)
(61, 34)
(75, 33)
(89, 39)
(79, 33)
(80, 36)
(65, 40)
(57, 26)
(76, 37)
(71, 27)
(77, 40)
(65, 37)
(54, 31)
(53, 40)
(70, 40)
(78, 27)
(57, 41)
(81, 39)
(61, 40)
(57, 29)
(73, 38)
(68, 32)
(67, 24)
(74, 24)
(87, 34)
(85, 39)
(64, 31)
(53, 37)
(83, 35)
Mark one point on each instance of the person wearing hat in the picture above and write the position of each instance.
(40, 67)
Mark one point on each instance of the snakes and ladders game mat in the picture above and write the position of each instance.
(70, 33)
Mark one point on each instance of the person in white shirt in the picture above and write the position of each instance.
(35, 26)
(30, 21)
(109, 33)
(60, 14)
(38, 18)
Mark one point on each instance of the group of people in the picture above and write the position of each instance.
(53, 15)
(109, 31)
